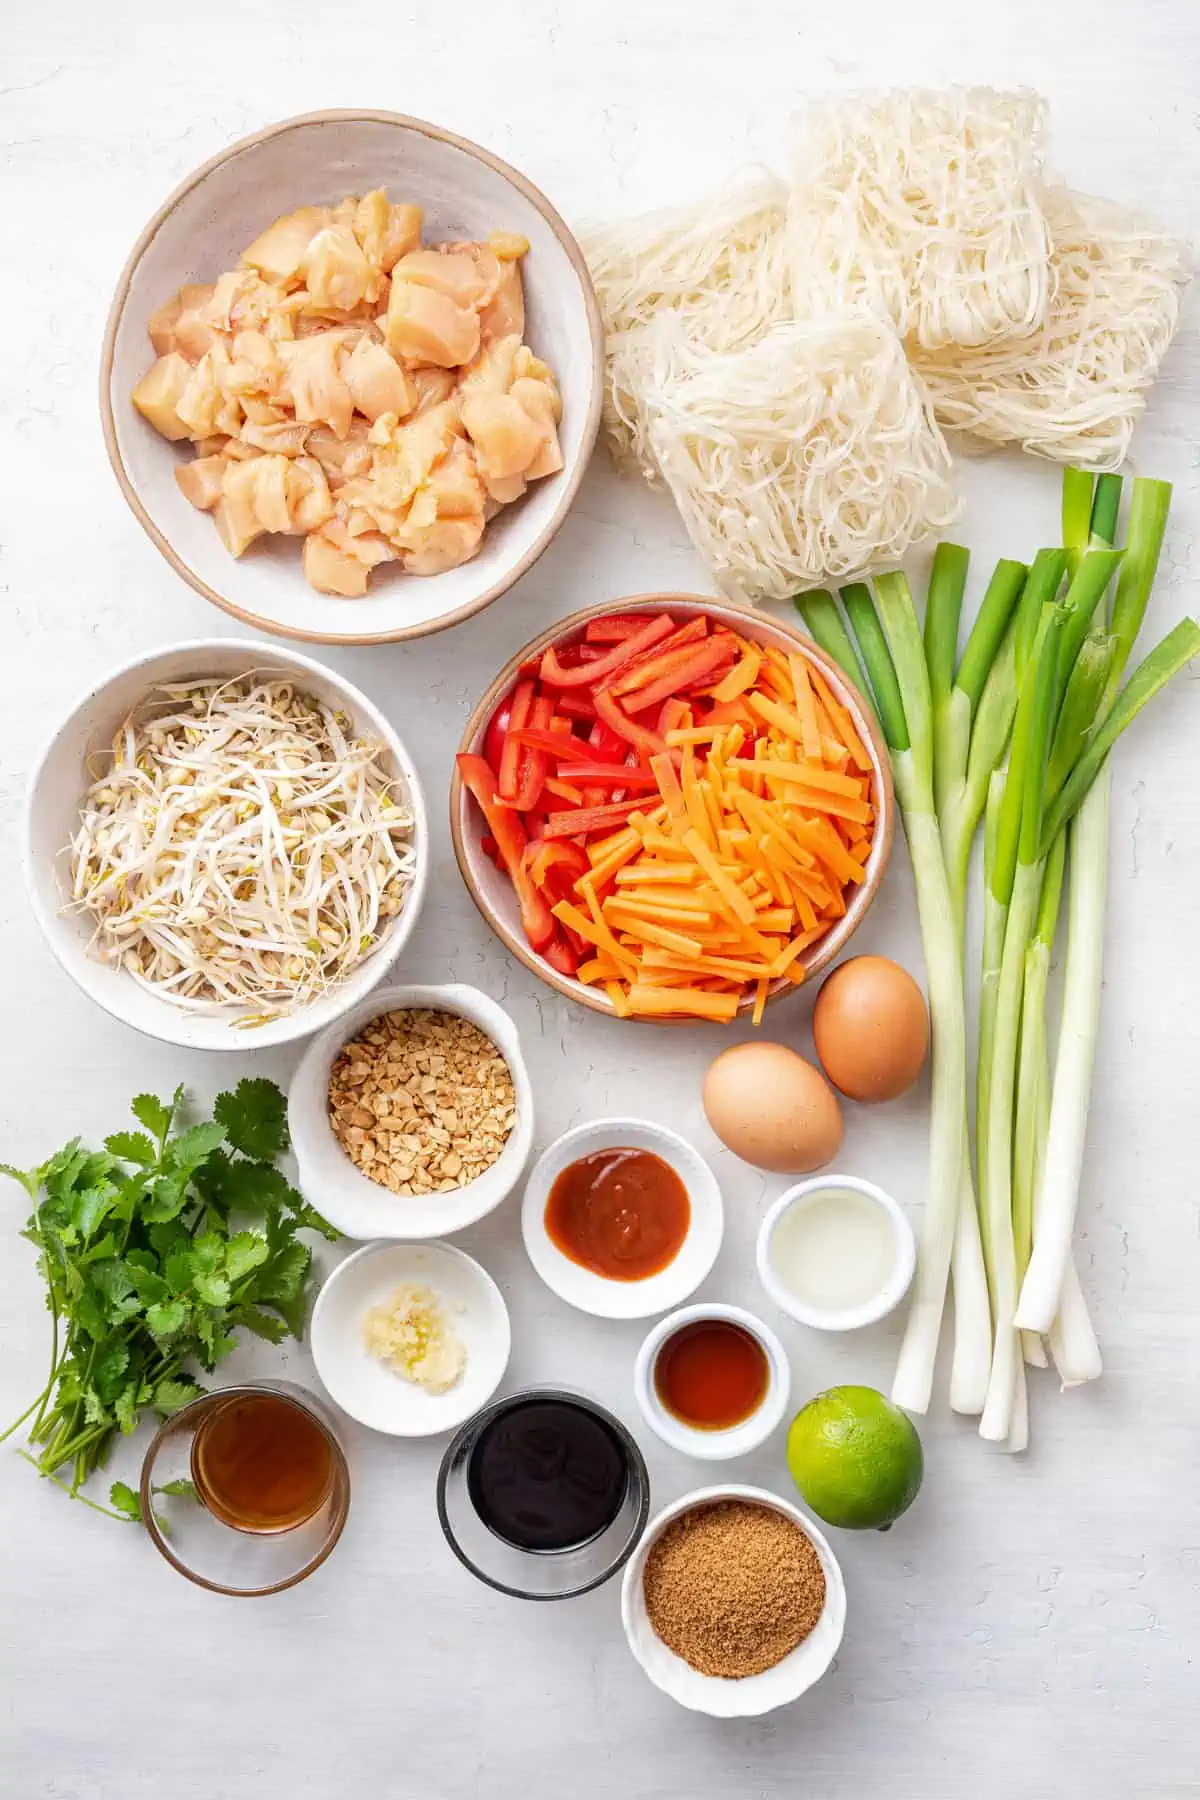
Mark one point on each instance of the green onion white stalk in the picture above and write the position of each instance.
(1020, 731)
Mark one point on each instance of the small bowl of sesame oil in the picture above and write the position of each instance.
(712, 1381)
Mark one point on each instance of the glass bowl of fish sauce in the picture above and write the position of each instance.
(246, 1489)
(543, 1494)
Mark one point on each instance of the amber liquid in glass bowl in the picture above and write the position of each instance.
(262, 1463)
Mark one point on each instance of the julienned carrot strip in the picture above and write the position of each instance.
(730, 892)
(594, 930)
(689, 916)
(655, 874)
(845, 724)
(661, 1002)
(631, 926)
(619, 998)
(743, 675)
(811, 774)
(806, 712)
(760, 1000)
(663, 770)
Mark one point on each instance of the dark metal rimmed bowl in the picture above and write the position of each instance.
(539, 1574)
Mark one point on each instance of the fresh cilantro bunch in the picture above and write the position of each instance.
(156, 1251)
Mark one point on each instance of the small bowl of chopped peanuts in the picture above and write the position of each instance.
(412, 1117)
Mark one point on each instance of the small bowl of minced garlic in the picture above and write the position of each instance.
(410, 1339)
(413, 1116)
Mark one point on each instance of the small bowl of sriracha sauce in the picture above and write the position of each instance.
(622, 1218)
(712, 1380)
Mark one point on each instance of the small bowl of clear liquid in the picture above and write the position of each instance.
(836, 1253)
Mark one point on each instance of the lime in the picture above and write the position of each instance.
(856, 1458)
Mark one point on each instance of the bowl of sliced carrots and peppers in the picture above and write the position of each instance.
(672, 808)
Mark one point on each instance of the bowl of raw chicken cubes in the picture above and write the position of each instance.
(352, 378)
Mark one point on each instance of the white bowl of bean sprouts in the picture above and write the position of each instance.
(226, 845)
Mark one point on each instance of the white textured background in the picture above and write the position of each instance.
(1032, 1627)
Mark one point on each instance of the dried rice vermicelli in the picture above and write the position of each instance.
(1073, 389)
(804, 456)
(717, 264)
(924, 206)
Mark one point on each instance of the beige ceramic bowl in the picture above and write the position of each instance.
(493, 893)
(466, 192)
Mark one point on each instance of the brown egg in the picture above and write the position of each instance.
(773, 1109)
(871, 1028)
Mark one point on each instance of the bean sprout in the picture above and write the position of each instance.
(240, 847)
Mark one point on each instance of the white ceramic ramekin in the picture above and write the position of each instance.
(753, 1694)
(891, 1291)
(599, 1294)
(735, 1440)
(362, 1208)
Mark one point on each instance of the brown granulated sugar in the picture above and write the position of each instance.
(732, 1587)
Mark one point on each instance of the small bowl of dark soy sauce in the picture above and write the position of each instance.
(543, 1494)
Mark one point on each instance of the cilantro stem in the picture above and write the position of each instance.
(73, 1494)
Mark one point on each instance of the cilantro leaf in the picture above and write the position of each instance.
(132, 1146)
(89, 1207)
(212, 1289)
(124, 1500)
(172, 1395)
(108, 1366)
(262, 1324)
(166, 1198)
(165, 1319)
(153, 1114)
(255, 1119)
(245, 1251)
(28, 1178)
(125, 1406)
(147, 1284)
(181, 1487)
(193, 1146)
(282, 1278)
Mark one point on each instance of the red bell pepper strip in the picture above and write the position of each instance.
(705, 662)
(560, 954)
(646, 665)
(491, 849)
(614, 628)
(497, 731)
(604, 740)
(587, 674)
(582, 821)
(646, 742)
(556, 866)
(511, 839)
(565, 746)
(575, 706)
(510, 761)
(664, 662)
(531, 774)
(637, 780)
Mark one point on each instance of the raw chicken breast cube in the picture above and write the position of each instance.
(159, 392)
(426, 326)
(376, 381)
(506, 439)
(335, 270)
(280, 250)
(331, 571)
(162, 326)
(201, 481)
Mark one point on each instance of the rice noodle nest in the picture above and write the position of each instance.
(808, 454)
(717, 264)
(922, 205)
(1073, 389)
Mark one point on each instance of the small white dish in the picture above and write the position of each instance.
(368, 1389)
(361, 1208)
(734, 1440)
(202, 228)
(597, 1294)
(893, 1283)
(52, 809)
(753, 1695)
